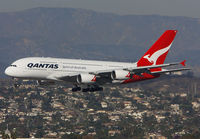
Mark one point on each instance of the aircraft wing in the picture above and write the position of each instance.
(105, 75)
(134, 70)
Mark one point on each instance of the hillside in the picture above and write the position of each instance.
(78, 33)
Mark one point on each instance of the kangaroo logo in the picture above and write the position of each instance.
(154, 57)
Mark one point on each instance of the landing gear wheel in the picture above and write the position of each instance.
(76, 88)
(85, 89)
(15, 83)
(92, 89)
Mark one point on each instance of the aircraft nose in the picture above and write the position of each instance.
(8, 71)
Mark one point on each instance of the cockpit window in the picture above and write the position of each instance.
(13, 65)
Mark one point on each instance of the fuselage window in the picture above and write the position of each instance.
(13, 65)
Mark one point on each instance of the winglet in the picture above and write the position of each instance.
(183, 63)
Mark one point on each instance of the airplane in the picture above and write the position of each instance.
(90, 75)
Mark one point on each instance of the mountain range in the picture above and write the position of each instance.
(86, 34)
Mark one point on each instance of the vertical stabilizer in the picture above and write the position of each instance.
(157, 53)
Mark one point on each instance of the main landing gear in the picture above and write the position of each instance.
(88, 89)
(92, 89)
(76, 88)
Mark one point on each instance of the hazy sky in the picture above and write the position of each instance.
(190, 8)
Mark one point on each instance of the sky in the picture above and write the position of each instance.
(189, 8)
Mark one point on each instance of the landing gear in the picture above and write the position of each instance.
(16, 83)
(88, 89)
(76, 88)
(92, 89)
(85, 89)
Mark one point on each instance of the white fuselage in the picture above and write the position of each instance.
(42, 68)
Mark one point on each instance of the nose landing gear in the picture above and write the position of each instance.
(16, 83)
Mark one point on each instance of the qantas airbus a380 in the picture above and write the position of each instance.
(90, 75)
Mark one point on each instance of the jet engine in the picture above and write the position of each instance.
(86, 78)
(120, 75)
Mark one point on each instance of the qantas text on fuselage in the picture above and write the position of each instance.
(93, 74)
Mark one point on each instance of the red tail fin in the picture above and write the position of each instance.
(157, 53)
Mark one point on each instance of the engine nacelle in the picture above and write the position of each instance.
(86, 78)
(120, 75)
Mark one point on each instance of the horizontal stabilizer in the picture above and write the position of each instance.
(151, 67)
(183, 63)
(170, 71)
